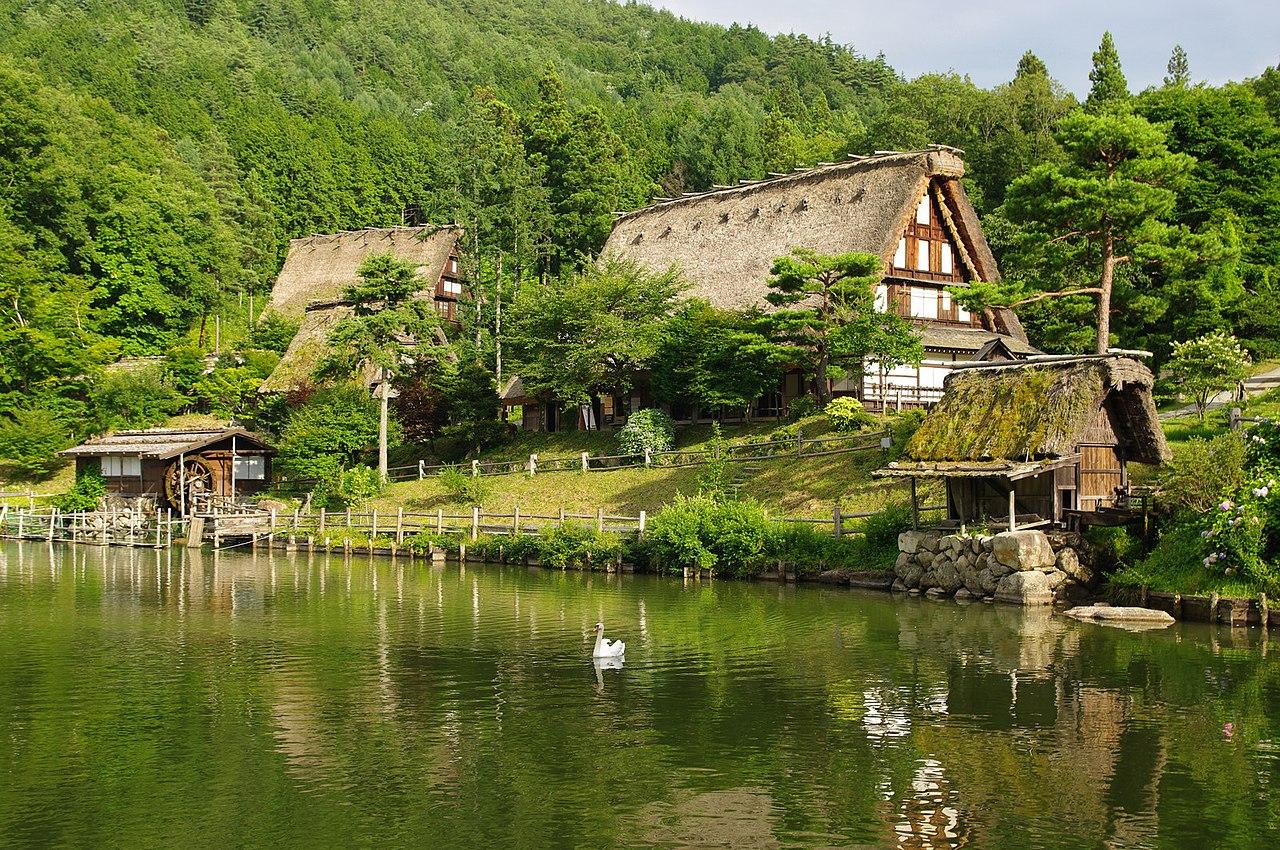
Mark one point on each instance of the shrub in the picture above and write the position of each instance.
(423, 541)
(84, 495)
(700, 533)
(716, 475)
(1202, 472)
(801, 407)
(847, 415)
(647, 429)
(357, 485)
(1115, 546)
(881, 529)
(1207, 365)
(462, 487)
(807, 550)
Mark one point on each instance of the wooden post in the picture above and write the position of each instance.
(584, 462)
(1013, 511)
(271, 528)
(475, 522)
(1235, 418)
(640, 533)
(399, 525)
(348, 517)
(533, 464)
(648, 456)
(915, 507)
(159, 519)
(515, 521)
(320, 529)
(837, 521)
(600, 519)
(296, 523)
(799, 445)
(475, 468)
(562, 515)
(439, 520)
(422, 469)
(168, 525)
(53, 519)
(373, 525)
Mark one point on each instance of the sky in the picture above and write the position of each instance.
(984, 38)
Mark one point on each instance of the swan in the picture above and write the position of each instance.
(607, 648)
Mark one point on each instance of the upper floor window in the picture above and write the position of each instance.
(924, 303)
(922, 255)
(944, 258)
(922, 210)
(251, 468)
(451, 287)
(900, 256)
(453, 266)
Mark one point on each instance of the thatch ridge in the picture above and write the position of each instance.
(1033, 410)
(320, 268)
(725, 241)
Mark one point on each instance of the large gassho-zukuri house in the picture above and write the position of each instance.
(1041, 442)
(317, 271)
(909, 209)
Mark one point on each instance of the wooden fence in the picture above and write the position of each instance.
(138, 528)
(744, 452)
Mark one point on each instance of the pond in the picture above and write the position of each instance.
(164, 698)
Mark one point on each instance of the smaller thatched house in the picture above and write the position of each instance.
(318, 270)
(1036, 442)
(178, 467)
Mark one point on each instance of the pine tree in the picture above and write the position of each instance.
(1031, 65)
(1179, 68)
(1109, 85)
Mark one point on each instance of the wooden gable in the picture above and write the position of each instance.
(930, 247)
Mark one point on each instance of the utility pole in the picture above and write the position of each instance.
(384, 393)
(497, 324)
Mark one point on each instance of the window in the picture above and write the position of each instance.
(944, 251)
(962, 314)
(453, 265)
(946, 301)
(252, 468)
(900, 256)
(451, 287)
(922, 255)
(924, 303)
(119, 466)
(922, 211)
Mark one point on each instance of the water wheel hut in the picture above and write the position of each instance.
(178, 467)
(1041, 442)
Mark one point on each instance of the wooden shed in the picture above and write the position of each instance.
(181, 468)
(1037, 442)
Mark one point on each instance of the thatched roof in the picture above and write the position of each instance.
(162, 443)
(725, 241)
(1041, 408)
(1010, 469)
(941, 337)
(320, 268)
(316, 274)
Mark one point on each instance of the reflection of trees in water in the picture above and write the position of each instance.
(466, 704)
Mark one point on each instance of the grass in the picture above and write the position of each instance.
(794, 487)
(1174, 567)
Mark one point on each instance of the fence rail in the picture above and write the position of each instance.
(764, 450)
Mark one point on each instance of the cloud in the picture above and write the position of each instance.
(984, 39)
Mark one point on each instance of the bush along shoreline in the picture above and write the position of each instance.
(697, 535)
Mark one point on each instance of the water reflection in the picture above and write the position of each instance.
(371, 700)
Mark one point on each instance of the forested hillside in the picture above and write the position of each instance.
(157, 154)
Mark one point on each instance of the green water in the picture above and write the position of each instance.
(164, 699)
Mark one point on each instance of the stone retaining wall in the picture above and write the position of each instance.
(1021, 567)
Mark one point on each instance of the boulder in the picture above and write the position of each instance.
(929, 542)
(898, 586)
(987, 581)
(1027, 587)
(924, 558)
(901, 563)
(832, 577)
(963, 595)
(1069, 563)
(951, 543)
(934, 592)
(947, 577)
(870, 579)
(928, 579)
(1056, 578)
(1023, 550)
(1121, 615)
(911, 575)
(909, 541)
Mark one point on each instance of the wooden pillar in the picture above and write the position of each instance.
(837, 521)
(915, 506)
(320, 528)
(439, 520)
(600, 519)
(475, 522)
(399, 525)
(1013, 510)
(515, 521)
(643, 517)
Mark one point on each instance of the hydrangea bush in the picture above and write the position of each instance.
(1241, 537)
(647, 429)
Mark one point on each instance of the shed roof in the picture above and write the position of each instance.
(161, 443)
(1038, 409)
(725, 241)
(972, 339)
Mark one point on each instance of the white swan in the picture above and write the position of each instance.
(607, 648)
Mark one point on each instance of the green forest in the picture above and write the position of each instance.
(158, 154)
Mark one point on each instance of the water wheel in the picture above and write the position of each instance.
(200, 480)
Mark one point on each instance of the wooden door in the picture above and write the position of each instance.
(1101, 473)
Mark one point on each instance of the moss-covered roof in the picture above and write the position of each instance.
(1035, 410)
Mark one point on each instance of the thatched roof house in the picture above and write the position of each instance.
(909, 209)
(318, 269)
(726, 240)
(1049, 436)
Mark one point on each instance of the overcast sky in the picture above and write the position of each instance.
(984, 38)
